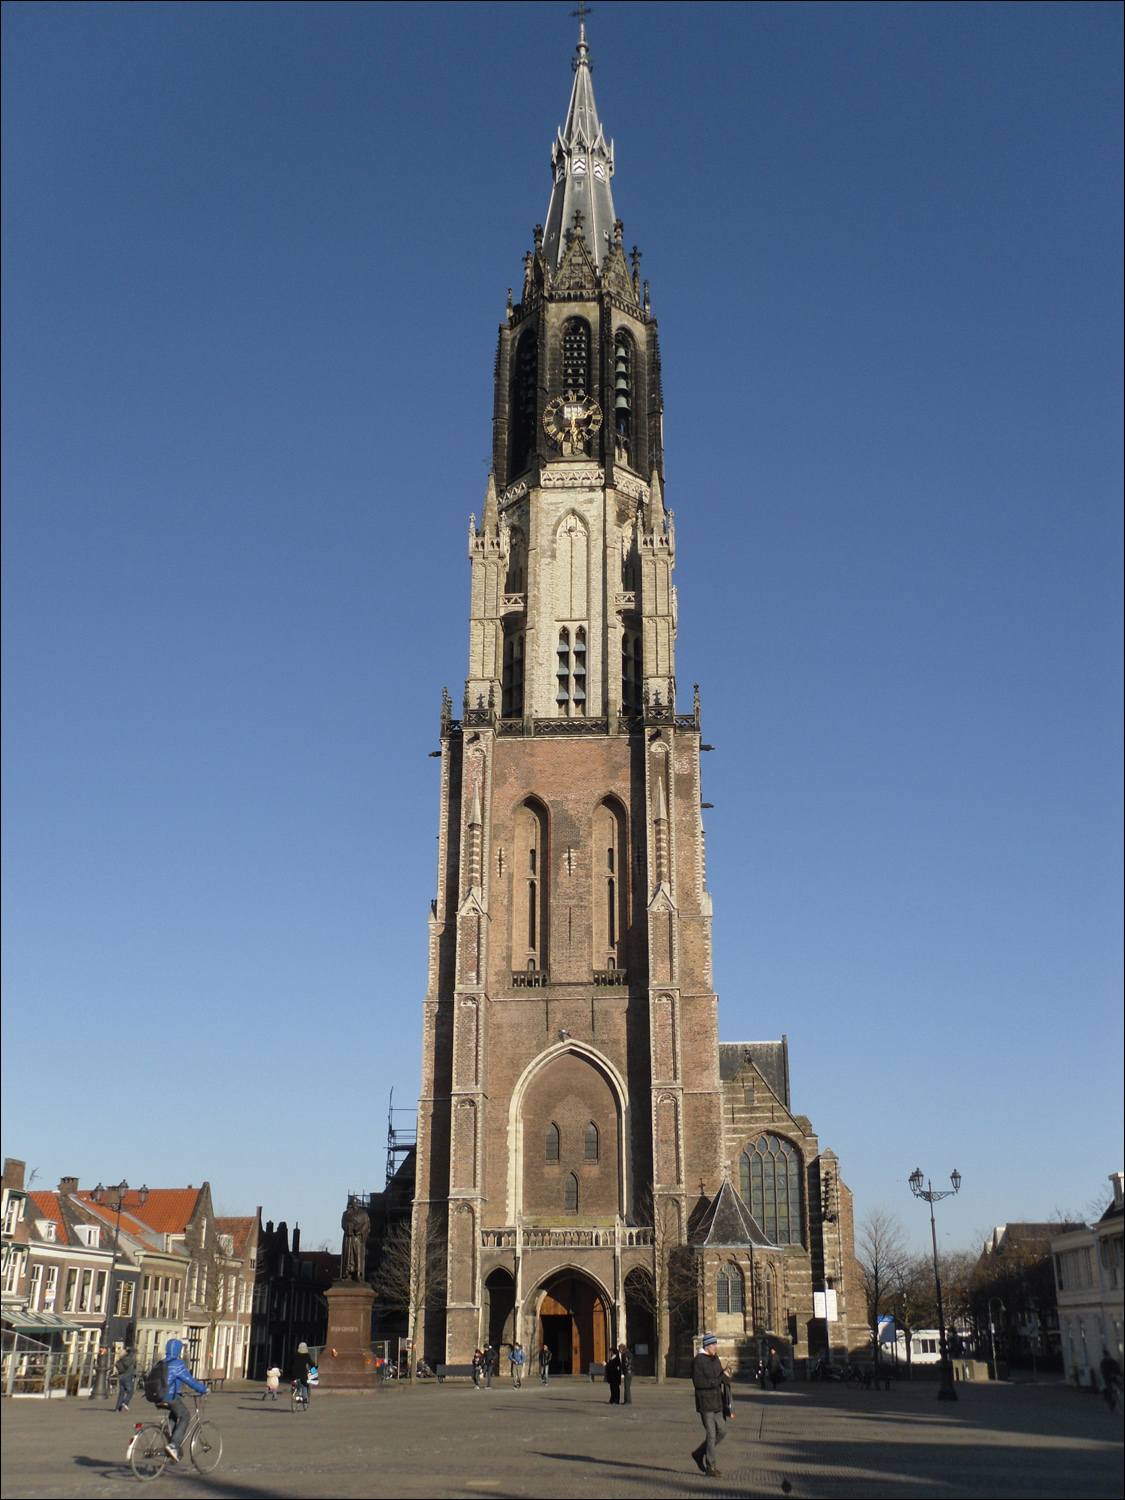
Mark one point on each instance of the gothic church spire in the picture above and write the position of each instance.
(582, 165)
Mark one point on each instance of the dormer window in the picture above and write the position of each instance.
(90, 1235)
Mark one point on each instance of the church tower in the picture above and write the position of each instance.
(574, 1135)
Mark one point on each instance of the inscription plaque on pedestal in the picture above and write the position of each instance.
(347, 1362)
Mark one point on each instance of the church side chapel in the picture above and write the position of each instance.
(595, 1166)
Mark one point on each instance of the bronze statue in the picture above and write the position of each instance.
(356, 1226)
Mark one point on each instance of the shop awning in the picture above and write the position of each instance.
(21, 1321)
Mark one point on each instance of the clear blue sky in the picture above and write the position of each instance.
(256, 255)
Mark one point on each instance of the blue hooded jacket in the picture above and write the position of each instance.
(178, 1372)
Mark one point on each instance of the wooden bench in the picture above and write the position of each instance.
(454, 1372)
(215, 1382)
(595, 1372)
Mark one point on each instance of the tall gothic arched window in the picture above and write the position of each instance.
(590, 1143)
(770, 1180)
(551, 1151)
(523, 401)
(529, 889)
(729, 1289)
(570, 1194)
(611, 874)
(576, 357)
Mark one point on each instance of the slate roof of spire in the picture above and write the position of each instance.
(729, 1222)
(582, 165)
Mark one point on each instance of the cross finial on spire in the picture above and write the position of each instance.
(583, 52)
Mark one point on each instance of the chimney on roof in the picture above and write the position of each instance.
(296, 1238)
(13, 1174)
(1117, 1178)
(68, 1184)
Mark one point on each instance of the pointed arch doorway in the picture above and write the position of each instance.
(574, 1323)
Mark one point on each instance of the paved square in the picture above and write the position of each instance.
(565, 1440)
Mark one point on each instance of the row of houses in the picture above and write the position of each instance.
(89, 1272)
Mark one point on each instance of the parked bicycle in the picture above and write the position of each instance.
(299, 1396)
(148, 1449)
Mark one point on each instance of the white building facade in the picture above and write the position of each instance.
(1090, 1283)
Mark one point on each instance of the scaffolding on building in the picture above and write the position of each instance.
(401, 1138)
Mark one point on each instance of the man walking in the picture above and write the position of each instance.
(516, 1364)
(544, 1363)
(708, 1377)
(126, 1369)
(491, 1356)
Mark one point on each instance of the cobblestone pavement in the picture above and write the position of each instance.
(1009, 1440)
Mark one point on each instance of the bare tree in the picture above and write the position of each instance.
(411, 1275)
(881, 1253)
(673, 1286)
(913, 1299)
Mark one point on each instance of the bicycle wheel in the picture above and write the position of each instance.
(206, 1447)
(146, 1453)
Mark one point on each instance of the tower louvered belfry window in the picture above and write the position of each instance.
(770, 1181)
(590, 1142)
(632, 673)
(576, 357)
(570, 1194)
(570, 675)
(551, 1153)
(623, 396)
(512, 699)
(524, 401)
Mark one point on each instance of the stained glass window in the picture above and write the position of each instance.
(770, 1180)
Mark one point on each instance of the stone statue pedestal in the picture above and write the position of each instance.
(347, 1363)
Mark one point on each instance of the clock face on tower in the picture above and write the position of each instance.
(572, 419)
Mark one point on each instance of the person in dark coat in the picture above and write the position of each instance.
(613, 1377)
(302, 1364)
(711, 1399)
(775, 1369)
(626, 1374)
(126, 1369)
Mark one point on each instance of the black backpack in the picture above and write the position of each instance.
(156, 1382)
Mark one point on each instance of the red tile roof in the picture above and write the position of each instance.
(48, 1206)
(239, 1230)
(167, 1210)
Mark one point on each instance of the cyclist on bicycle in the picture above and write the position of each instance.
(178, 1375)
(302, 1364)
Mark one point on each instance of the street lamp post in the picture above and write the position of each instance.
(992, 1334)
(115, 1198)
(946, 1391)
